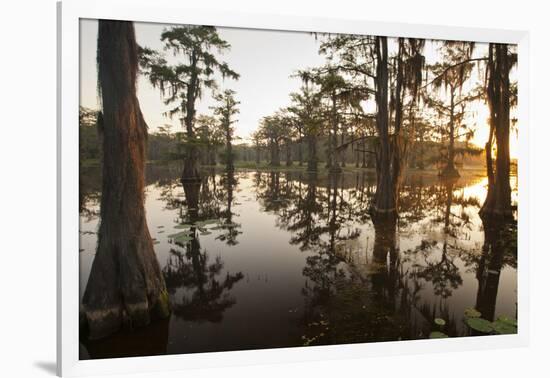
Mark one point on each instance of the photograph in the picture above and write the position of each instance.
(245, 189)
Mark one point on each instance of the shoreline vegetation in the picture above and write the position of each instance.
(264, 165)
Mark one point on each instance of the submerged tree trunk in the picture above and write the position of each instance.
(126, 285)
(386, 277)
(498, 203)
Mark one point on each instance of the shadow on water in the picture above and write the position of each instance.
(296, 258)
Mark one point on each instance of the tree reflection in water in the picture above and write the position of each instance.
(230, 228)
(206, 295)
(499, 250)
(361, 279)
(389, 292)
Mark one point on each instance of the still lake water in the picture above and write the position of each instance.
(271, 259)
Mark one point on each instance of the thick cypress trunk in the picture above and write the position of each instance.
(191, 189)
(384, 201)
(125, 284)
(498, 203)
(385, 278)
(191, 164)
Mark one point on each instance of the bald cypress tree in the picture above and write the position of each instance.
(306, 106)
(372, 71)
(183, 84)
(451, 75)
(125, 284)
(226, 109)
(498, 203)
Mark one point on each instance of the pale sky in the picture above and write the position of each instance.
(265, 60)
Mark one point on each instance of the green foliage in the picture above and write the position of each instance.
(479, 324)
(88, 134)
(472, 313)
(181, 237)
(183, 83)
(505, 326)
(438, 335)
(225, 110)
(183, 226)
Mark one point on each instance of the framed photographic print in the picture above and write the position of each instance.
(240, 188)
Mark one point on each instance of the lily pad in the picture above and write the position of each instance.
(439, 321)
(206, 222)
(177, 234)
(205, 232)
(438, 335)
(505, 325)
(479, 324)
(507, 320)
(181, 237)
(503, 328)
(183, 226)
(472, 313)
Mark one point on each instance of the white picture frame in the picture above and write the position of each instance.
(175, 12)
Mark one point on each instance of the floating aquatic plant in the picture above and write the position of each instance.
(438, 335)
